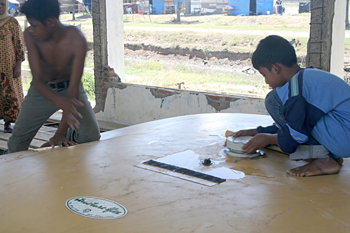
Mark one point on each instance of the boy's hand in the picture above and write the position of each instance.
(70, 111)
(60, 140)
(259, 141)
(247, 132)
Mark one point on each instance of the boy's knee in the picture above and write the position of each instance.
(92, 135)
(84, 135)
(89, 138)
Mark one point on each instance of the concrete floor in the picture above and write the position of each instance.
(35, 186)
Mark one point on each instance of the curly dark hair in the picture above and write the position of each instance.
(41, 9)
(272, 50)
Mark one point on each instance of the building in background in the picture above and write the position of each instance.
(251, 7)
(199, 7)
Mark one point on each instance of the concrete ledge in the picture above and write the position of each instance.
(130, 104)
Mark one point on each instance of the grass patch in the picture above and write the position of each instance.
(88, 80)
(262, 22)
(156, 74)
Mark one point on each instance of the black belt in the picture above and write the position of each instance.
(60, 85)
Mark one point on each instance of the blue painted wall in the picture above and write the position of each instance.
(263, 6)
(241, 7)
(158, 6)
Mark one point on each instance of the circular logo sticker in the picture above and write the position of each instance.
(95, 207)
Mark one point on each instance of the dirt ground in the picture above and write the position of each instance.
(224, 65)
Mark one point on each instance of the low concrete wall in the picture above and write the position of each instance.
(132, 104)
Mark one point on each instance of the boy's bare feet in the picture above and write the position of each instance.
(339, 160)
(318, 167)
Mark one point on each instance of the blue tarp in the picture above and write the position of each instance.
(242, 7)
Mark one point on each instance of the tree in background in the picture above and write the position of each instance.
(73, 10)
(179, 7)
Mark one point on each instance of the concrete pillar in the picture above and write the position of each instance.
(115, 36)
(108, 43)
(338, 38)
(327, 34)
(100, 49)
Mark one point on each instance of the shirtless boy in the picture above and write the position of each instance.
(56, 56)
(310, 107)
